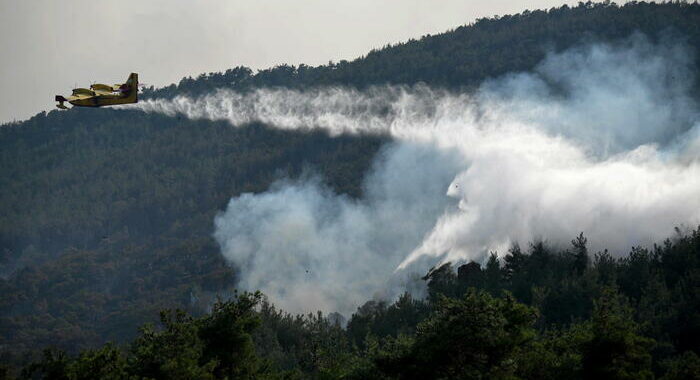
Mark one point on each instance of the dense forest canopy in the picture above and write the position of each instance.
(107, 219)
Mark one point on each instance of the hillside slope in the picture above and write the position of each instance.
(107, 215)
(463, 57)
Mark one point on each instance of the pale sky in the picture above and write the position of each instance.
(47, 47)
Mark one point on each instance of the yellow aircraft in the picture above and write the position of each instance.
(99, 95)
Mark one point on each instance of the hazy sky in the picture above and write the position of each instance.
(49, 46)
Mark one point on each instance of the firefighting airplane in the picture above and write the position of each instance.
(99, 95)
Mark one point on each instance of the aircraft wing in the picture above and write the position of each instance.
(104, 89)
(81, 93)
(103, 92)
(78, 97)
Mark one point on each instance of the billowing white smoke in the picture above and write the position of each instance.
(308, 248)
(602, 139)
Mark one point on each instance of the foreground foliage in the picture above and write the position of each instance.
(572, 319)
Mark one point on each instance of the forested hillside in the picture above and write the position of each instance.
(115, 223)
(107, 218)
(541, 314)
(464, 57)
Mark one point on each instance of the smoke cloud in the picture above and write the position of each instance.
(602, 138)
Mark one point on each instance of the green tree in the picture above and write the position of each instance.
(227, 340)
(474, 337)
(493, 275)
(105, 363)
(683, 367)
(175, 352)
(616, 350)
(53, 365)
(442, 281)
(555, 354)
(580, 254)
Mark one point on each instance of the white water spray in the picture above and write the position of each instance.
(602, 139)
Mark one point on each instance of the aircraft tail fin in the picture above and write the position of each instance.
(133, 80)
(132, 85)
